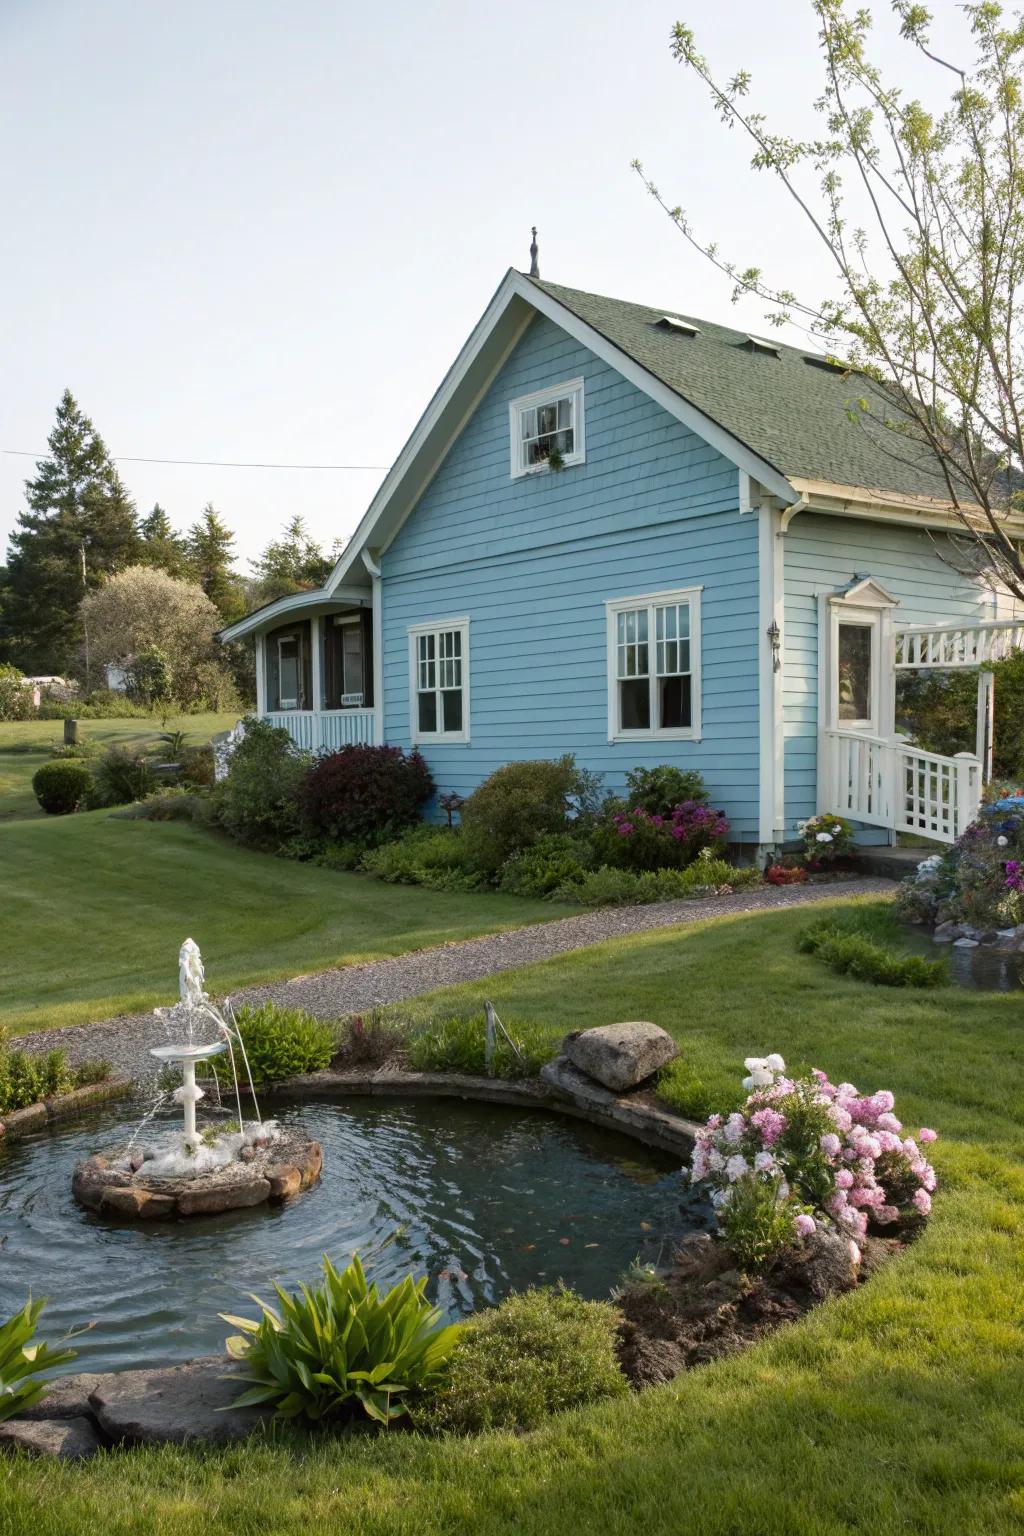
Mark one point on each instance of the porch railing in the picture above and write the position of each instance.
(327, 729)
(949, 646)
(895, 785)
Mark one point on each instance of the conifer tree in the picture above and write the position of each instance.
(209, 548)
(79, 526)
(290, 563)
(162, 547)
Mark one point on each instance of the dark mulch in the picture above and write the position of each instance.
(703, 1308)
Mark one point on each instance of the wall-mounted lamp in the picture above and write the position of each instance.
(775, 641)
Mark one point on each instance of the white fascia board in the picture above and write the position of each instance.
(294, 604)
(523, 298)
(881, 506)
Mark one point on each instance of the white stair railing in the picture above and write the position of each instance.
(895, 785)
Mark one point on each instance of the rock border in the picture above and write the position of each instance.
(20, 1122)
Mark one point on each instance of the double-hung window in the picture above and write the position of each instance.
(547, 429)
(439, 681)
(654, 666)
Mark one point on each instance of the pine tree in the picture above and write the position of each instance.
(208, 546)
(162, 547)
(291, 563)
(78, 528)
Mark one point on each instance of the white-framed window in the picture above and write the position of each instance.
(289, 671)
(654, 666)
(547, 429)
(439, 681)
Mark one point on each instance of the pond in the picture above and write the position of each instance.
(982, 968)
(483, 1199)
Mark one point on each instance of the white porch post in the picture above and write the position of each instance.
(985, 739)
(378, 660)
(771, 813)
(261, 674)
(316, 666)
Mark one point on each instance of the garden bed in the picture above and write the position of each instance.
(21, 1122)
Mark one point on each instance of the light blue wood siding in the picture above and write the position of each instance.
(822, 555)
(531, 562)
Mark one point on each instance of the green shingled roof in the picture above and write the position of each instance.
(790, 407)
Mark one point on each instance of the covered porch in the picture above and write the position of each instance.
(867, 771)
(318, 666)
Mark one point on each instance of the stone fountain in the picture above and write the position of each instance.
(165, 1172)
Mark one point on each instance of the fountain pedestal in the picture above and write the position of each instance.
(189, 1094)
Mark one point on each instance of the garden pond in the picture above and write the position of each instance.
(483, 1199)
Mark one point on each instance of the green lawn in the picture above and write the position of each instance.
(897, 1409)
(95, 908)
(26, 744)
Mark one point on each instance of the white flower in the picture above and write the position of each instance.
(764, 1162)
(736, 1167)
(776, 1062)
(823, 837)
(1001, 842)
(733, 1128)
(715, 1160)
(762, 1070)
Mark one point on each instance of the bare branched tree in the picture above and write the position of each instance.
(925, 303)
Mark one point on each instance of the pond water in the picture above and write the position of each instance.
(484, 1200)
(982, 969)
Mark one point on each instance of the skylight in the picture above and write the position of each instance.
(674, 322)
(759, 344)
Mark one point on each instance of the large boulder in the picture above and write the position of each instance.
(179, 1404)
(620, 1056)
(65, 1439)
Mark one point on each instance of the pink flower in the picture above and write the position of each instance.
(844, 1179)
(805, 1225)
(830, 1144)
(886, 1214)
(924, 1134)
(923, 1201)
(770, 1123)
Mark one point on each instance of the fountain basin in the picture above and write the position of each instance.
(280, 1165)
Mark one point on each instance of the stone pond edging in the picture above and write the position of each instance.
(20, 1122)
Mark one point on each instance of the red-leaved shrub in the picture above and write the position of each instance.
(365, 794)
(785, 874)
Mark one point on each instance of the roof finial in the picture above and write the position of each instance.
(534, 268)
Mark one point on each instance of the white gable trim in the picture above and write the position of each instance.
(489, 346)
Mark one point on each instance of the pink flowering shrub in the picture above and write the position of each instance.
(636, 838)
(827, 1152)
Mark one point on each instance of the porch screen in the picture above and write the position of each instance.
(289, 672)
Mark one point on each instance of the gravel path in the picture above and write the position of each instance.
(124, 1041)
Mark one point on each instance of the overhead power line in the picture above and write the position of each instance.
(128, 458)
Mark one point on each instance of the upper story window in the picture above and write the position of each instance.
(547, 429)
(654, 666)
(439, 681)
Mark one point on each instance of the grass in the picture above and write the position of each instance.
(95, 908)
(895, 1410)
(26, 744)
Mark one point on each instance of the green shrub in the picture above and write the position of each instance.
(109, 704)
(258, 800)
(279, 1042)
(850, 953)
(556, 861)
(457, 1043)
(611, 887)
(148, 678)
(172, 804)
(659, 790)
(364, 794)
(74, 751)
(517, 805)
(122, 776)
(27, 1079)
(22, 1361)
(61, 786)
(340, 1343)
(15, 698)
(432, 856)
(757, 1222)
(197, 766)
(538, 1353)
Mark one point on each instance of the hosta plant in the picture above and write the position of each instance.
(21, 1360)
(341, 1344)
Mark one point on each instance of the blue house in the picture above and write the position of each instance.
(644, 538)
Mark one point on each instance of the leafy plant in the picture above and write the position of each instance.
(28, 1079)
(517, 805)
(341, 1343)
(21, 1360)
(457, 1043)
(558, 860)
(785, 874)
(610, 887)
(850, 953)
(121, 777)
(538, 1353)
(61, 786)
(758, 1223)
(659, 790)
(635, 838)
(258, 799)
(827, 838)
(279, 1042)
(15, 698)
(148, 679)
(365, 794)
(368, 1041)
(432, 856)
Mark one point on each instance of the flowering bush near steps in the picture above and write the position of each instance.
(804, 1154)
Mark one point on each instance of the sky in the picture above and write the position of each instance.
(261, 231)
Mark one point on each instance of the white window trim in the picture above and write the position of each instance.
(438, 738)
(285, 640)
(616, 605)
(573, 388)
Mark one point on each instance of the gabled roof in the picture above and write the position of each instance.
(789, 405)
